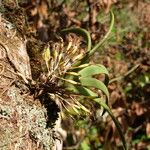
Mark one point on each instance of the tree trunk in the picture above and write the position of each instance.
(23, 120)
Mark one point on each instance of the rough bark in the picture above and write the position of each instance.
(23, 120)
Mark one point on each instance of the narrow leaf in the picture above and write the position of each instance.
(46, 54)
(80, 66)
(82, 91)
(93, 70)
(72, 73)
(99, 44)
(102, 103)
(91, 82)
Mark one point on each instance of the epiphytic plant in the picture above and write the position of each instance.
(70, 75)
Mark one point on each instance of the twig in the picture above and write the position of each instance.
(126, 74)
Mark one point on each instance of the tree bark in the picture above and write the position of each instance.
(23, 120)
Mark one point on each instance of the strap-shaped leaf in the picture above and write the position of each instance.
(103, 104)
(82, 91)
(93, 70)
(46, 56)
(99, 44)
(72, 73)
(89, 94)
(91, 82)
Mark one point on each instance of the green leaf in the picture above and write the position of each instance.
(102, 103)
(73, 111)
(91, 82)
(72, 73)
(70, 81)
(93, 70)
(82, 91)
(46, 54)
(85, 145)
(99, 44)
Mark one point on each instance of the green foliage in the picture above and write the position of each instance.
(93, 70)
(85, 81)
(79, 78)
(91, 82)
(85, 145)
(144, 79)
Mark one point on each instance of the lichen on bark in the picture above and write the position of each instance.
(23, 119)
